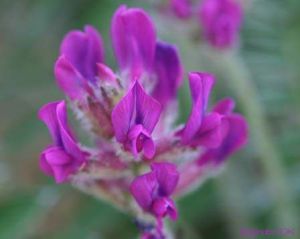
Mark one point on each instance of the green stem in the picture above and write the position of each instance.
(234, 70)
(234, 209)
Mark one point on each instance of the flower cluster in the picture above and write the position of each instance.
(220, 20)
(130, 115)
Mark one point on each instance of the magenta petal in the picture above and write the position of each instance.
(56, 156)
(169, 73)
(182, 8)
(142, 188)
(167, 177)
(134, 135)
(136, 108)
(172, 210)
(221, 20)
(84, 50)
(224, 33)
(44, 165)
(134, 38)
(224, 106)
(200, 86)
(48, 115)
(60, 174)
(141, 140)
(209, 11)
(105, 73)
(68, 139)
(152, 190)
(69, 79)
(236, 137)
(65, 156)
(164, 206)
(210, 134)
(54, 115)
(136, 130)
(149, 148)
(134, 119)
(147, 109)
(122, 115)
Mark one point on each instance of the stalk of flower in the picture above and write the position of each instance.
(131, 113)
(219, 22)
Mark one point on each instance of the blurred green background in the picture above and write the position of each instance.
(32, 206)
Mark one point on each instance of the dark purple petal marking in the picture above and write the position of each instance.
(168, 71)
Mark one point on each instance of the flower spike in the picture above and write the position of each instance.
(130, 114)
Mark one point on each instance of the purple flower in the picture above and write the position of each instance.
(182, 8)
(221, 21)
(235, 136)
(80, 52)
(64, 156)
(202, 128)
(234, 128)
(152, 190)
(134, 119)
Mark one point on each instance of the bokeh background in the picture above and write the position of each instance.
(250, 193)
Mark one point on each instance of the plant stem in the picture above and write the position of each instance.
(234, 207)
(234, 70)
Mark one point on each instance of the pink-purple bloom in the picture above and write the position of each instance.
(221, 132)
(152, 190)
(80, 53)
(202, 128)
(235, 134)
(221, 21)
(134, 119)
(64, 156)
(181, 8)
(130, 114)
